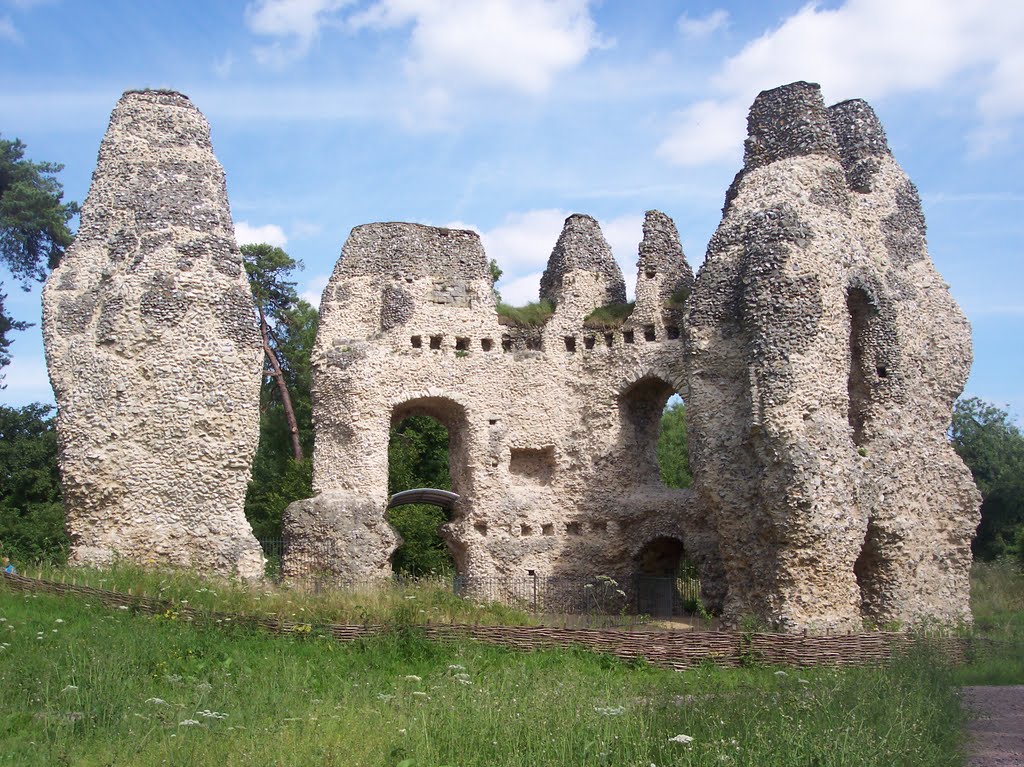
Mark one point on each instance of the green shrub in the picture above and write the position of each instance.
(533, 315)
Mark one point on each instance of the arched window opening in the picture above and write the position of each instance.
(424, 451)
(654, 433)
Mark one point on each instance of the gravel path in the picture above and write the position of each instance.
(997, 730)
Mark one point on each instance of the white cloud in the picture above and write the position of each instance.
(624, 234)
(523, 241)
(303, 229)
(703, 27)
(223, 66)
(314, 289)
(271, 234)
(522, 244)
(518, 44)
(707, 132)
(521, 290)
(8, 31)
(869, 49)
(295, 24)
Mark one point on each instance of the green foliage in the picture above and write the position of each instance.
(496, 273)
(993, 448)
(678, 299)
(996, 649)
(609, 316)
(277, 477)
(33, 225)
(105, 686)
(33, 219)
(268, 267)
(673, 453)
(31, 509)
(7, 324)
(533, 315)
(418, 457)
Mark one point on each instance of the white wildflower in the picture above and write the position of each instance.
(211, 714)
(610, 710)
(384, 696)
(456, 667)
(781, 673)
(204, 687)
(70, 688)
(413, 678)
(59, 620)
(188, 723)
(122, 607)
(684, 739)
(156, 701)
(419, 694)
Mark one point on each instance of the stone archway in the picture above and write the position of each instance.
(421, 515)
(666, 580)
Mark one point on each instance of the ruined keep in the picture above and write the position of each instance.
(818, 352)
(153, 352)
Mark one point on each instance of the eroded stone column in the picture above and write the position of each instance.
(153, 352)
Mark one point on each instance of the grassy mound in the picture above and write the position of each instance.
(533, 315)
(609, 316)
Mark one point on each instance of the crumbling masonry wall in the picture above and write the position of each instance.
(553, 429)
(818, 352)
(824, 353)
(153, 353)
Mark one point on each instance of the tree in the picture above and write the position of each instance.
(267, 268)
(31, 511)
(277, 478)
(673, 451)
(992, 446)
(33, 225)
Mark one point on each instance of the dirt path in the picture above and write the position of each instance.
(997, 731)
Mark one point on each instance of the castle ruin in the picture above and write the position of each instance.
(817, 350)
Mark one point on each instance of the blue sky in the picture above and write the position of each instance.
(506, 115)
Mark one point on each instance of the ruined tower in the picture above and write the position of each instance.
(824, 353)
(153, 352)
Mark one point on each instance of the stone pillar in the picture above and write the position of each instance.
(153, 352)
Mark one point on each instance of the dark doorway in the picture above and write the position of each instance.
(667, 581)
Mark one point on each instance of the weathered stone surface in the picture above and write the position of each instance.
(553, 431)
(823, 356)
(153, 352)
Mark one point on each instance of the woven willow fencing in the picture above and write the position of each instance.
(668, 649)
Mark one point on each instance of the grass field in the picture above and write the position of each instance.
(997, 601)
(88, 685)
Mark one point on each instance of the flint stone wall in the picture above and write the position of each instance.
(824, 353)
(153, 352)
(552, 430)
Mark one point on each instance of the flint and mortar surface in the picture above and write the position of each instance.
(824, 353)
(154, 354)
(818, 351)
(552, 430)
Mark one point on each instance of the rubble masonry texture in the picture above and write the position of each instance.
(818, 352)
(153, 352)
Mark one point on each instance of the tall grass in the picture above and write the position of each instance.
(997, 601)
(85, 685)
(423, 600)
